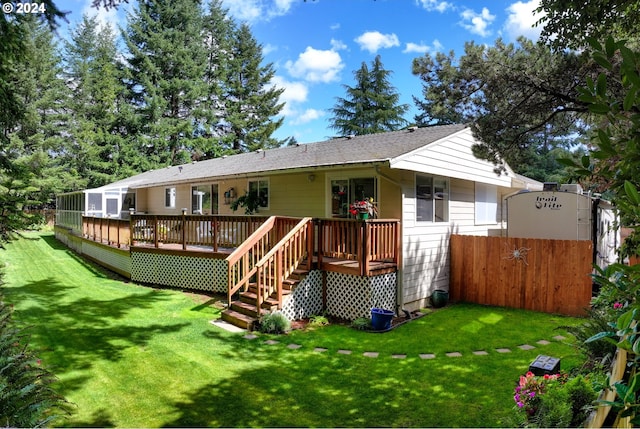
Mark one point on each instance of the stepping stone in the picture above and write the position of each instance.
(398, 356)
(544, 342)
(526, 347)
(344, 352)
(250, 336)
(427, 356)
(454, 354)
(271, 342)
(559, 338)
(371, 354)
(320, 350)
(503, 350)
(480, 353)
(294, 346)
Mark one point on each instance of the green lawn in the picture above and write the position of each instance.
(133, 356)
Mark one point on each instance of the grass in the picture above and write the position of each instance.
(134, 356)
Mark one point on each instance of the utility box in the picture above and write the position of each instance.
(545, 365)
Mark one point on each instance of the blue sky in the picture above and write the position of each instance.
(316, 45)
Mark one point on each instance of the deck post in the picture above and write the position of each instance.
(184, 227)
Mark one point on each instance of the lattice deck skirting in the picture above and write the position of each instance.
(186, 272)
(350, 297)
(347, 296)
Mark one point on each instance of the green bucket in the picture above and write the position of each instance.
(439, 298)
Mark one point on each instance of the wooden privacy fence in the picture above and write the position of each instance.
(552, 276)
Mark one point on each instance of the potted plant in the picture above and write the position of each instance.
(363, 209)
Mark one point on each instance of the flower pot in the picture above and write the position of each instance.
(439, 298)
(363, 216)
(381, 319)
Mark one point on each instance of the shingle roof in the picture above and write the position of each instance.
(368, 148)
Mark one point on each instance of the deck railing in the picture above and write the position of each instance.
(113, 232)
(242, 261)
(213, 231)
(282, 260)
(360, 241)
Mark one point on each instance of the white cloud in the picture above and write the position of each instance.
(105, 17)
(315, 65)
(477, 23)
(268, 48)
(521, 19)
(372, 41)
(337, 45)
(256, 10)
(422, 48)
(293, 91)
(307, 116)
(435, 5)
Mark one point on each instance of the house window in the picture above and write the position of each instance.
(261, 187)
(204, 199)
(170, 198)
(486, 204)
(432, 199)
(345, 191)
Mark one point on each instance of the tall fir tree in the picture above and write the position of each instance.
(36, 143)
(218, 27)
(95, 82)
(250, 101)
(166, 70)
(371, 105)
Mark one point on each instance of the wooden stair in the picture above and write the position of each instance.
(243, 312)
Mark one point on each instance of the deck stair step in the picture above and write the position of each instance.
(246, 308)
(250, 298)
(238, 319)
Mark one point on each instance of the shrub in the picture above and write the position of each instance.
(318, 321)
(597, 321)
(26, 396)
(553, 400)
(361, 324)
(274, 323)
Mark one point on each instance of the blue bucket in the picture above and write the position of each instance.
(381, 319)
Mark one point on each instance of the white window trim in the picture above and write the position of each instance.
(172, 198)
(485, 210)
(261, 179)
(415, 200)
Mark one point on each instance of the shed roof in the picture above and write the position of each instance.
(365, 149)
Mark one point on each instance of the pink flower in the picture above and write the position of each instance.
(617, 305)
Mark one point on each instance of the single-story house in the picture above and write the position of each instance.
(427, 180)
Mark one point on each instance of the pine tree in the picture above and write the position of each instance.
(371, 105)
(166, 76)
(250, 101)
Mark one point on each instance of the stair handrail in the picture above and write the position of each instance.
(241, 262)
(282, 260)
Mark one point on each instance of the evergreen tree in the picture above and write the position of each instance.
(371, 105)
(520, 100)
(36, 141)
(250, 102)
(166, 71)
(96, 151)
(219, 29)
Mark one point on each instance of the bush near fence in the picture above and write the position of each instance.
(552, 276)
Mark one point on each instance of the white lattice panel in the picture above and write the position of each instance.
(350, 297)
(185, 272)
(306, 298)
(111, 258)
